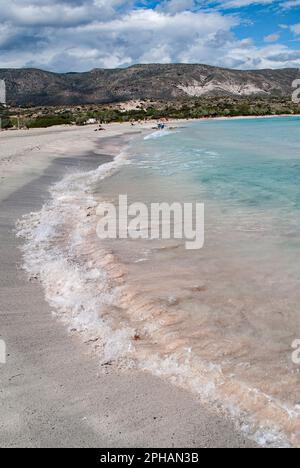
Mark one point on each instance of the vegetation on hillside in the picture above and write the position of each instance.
(5, 120)
(49, 120)
(191, 108)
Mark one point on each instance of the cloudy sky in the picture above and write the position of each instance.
(79, 35)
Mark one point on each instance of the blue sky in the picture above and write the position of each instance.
(79, 35)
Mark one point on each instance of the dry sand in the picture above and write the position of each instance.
(52, 391)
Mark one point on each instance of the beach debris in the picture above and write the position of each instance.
(137, 337)
(15, 377)
(92, 340)
(107, 364)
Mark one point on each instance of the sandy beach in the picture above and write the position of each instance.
(54, 393)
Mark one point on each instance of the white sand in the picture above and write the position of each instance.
(52, 391)
(25, 154)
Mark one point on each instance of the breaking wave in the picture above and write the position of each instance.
(86, 286)
(160, 134)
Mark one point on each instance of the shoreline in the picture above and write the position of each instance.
(29, 155)
(117, 126)
(54, 393)
(26, 154)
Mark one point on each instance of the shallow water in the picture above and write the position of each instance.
(219, 321)
(233, 304)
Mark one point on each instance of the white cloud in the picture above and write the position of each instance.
(272, 38)
(175, 6)
(60, 13)
(77, 35)
(295, 28)
(227, 4)
(146, 35)
(290, 4)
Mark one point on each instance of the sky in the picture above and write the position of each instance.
(80, 35)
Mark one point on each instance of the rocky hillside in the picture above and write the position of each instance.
(35, 87)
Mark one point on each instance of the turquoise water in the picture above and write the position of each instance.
(253, 162)
(247, 168)
(234, 304)
(219, 321)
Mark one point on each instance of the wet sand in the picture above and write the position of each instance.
(53, 391)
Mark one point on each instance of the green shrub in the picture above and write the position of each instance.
(49, 121)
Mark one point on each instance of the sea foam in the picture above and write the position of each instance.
(85, 285)
(160, 134)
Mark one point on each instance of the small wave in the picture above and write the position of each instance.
(58, 240)
(160, 134)
(84, 285)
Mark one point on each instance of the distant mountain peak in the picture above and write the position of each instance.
(154, 81)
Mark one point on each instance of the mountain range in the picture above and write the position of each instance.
(33, 87)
